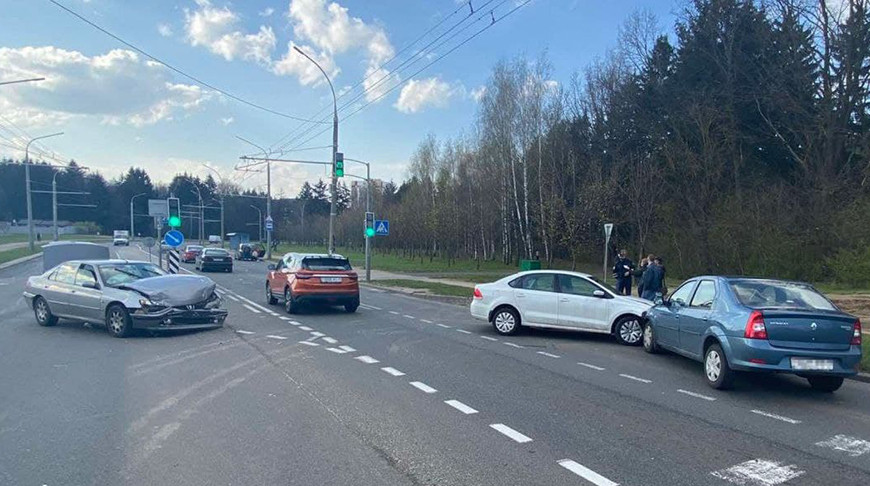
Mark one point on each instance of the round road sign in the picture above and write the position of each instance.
(173, 238)
(149, 242)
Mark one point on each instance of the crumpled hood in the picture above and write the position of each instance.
(638, 300)
(173, 290)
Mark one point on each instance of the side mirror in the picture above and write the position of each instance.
(90, 285)
(660, 301)
(271, 266)
(599, 293)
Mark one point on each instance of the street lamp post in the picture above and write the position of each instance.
(331, 245)
(27, 183)
(201, 225)
(268, 195)
(259, 224)
(368, 209)
(132, 225)
(222, 193)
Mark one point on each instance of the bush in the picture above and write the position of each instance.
(850, 267)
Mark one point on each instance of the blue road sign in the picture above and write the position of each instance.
(269, 223)
(382, 227)
(173, 238)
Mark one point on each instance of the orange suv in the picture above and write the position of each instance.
(300, 279)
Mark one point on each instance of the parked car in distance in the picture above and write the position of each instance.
(214, 259)
(214, 240)
(246, 251)
(120, 241)
(300, 279)
(559, 300)
(190, 252)
(125, 295)
(735, 324)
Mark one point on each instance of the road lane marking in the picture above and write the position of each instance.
(244, 332)
(246, 306)
(549, 355)
(284, 318)
(336, 350)
(776, 417)
(409, 317)
(347, 348)
(423, 387)
(394, 312)
(295, 323)
(513, 345)
(308, 343)
(317, 334)
(427, 321)
(591, 366)
(305, 328)
(513, 434)
(460, 406)
(586, 473)
(377, 290)
(630, 377)
(758, 472)
(696, 395)
(273, 314)
(375, 307)
(258, 306)
(463, 331)
(220, 291)
(273, 336)
(232, 298)
(330, 340)
(442, 325)
(392, 371)
(367, 359)
(850, 445)
(488, 338)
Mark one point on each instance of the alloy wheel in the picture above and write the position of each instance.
(630, 331)
(713, 365)
(505, 322)
(41, 311)
(116, 321)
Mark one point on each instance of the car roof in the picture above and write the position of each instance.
(733, 278)
(563, 272)
(102, 262)
(314, 255)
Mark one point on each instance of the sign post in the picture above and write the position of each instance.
(369, 234)
(608, 229)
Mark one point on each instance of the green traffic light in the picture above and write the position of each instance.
(174, 221)
(370, 232)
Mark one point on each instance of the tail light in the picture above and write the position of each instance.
(477, 293)
(353, 276)
(755, 326)
(303, 276)
(856, 333)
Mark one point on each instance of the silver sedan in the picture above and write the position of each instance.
(125, 295)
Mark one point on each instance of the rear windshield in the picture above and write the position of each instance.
(194, 248)
(324, 264)
(768, 294)
(215, 252)
(117, 274)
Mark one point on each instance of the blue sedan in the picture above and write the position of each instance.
(749, 324)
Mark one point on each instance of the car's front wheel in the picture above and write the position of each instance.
(42, 312)
(719, 375)
(628, 331)
(506, 321)
(118, 321)
(826, 384)
(649, 339)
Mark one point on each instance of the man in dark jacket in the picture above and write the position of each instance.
(653, 281)
(623, 270)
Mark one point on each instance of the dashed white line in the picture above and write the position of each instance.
(513, 345)
(850, 445)
(305, 328)
(463, 331)
(329, 340)
(549, 355)
(394, 313)
(244, 332)
(308, 343)
(219, 291)
(513, 434)
(442, 325)
(427, 321)
(758, 472)
(591, 366)
(347, 348)
(367, 359)
(284, 318)
(375, 308)
(586, 473)
(336, 350)
(776, 417)
(409, 317)
(423, 387)
(251, 302)
(488, 338)
(696, 395)
(273, 336)
(460, 406)
(273, 314)
(296, 323)
(631, 377)
(246, 306)
(317, 334)
(392, 371)
(231, 297)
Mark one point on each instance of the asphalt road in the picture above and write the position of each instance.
(405, 391)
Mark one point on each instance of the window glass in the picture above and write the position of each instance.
(215, 252)
(325, 264)
(784, 295)
(705, 294)
(85, 275)
(118, 274)
(576, 286)
(683, 293)
(516, 283)
(65, 274)
(539, 281)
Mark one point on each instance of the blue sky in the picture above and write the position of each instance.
(119, 110)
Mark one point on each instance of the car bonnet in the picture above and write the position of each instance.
(174, 290)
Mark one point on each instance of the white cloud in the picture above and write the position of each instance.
(478, 93)
(215, 29)
(227, 120)
(420, 94)
(266, 12)
(294, 64)
(118, 87)
(164, 29)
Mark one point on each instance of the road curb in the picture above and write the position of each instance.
(19, 260)
(862, 377)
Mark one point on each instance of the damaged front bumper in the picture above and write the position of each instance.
(175, 318)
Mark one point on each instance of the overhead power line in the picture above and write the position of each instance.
(178, 70)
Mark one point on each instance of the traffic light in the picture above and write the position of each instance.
(174, 219)
(339, 164)
(370, 225)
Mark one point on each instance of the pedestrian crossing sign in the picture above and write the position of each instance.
(382, 227)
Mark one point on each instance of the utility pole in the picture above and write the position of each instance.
(368, 210)
(132, 225)
(259, 223)
(3, 83)
(30, 244)
(268, 194)
(222, 194)
(201, 225)
(331, 245)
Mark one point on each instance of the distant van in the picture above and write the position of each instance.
(214, 240)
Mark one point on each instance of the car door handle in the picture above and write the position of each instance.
(564, 300)
(520, 296)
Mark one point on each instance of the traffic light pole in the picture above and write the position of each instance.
(368, 210)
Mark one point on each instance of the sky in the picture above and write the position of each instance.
(117, 108)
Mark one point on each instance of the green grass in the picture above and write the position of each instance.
(433, 287)
(9, 255)
(17, 238)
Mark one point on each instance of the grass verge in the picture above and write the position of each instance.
(9, 255)
(433, 287)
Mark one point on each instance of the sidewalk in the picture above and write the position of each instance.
(382, 275)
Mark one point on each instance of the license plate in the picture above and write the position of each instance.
(812, 364)
(330, 279)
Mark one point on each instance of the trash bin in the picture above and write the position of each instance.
(530, 265)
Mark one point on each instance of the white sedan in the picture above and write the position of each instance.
(559, 300)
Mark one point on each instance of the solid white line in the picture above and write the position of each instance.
(442, 325)
(427, 321)
(758, 472)
(513, 434)
(460, 406)
(308, 343)
(597, 368)
(630, 377)
(463, 331)
(549, 355)
(777, 417)
(232, 298)
(377, 290)
(305, 328)
(336, 350)
(367, 359)
(409, 317)
(423, 387)
(272, 336)
(347, 348)
(375, 308)
(697, 395)
(488, 338)
(246, 306)
(513, 345)
(394, 312)
(220, 291)
(392, 371)
(258, 306)
(586, 473)
(244, 332)
(329, 340)
(317, 334)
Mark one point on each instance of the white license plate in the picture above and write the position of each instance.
(330, 279)
(812, 364)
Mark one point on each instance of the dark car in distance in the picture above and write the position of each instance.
(216, 259)
(246, 251)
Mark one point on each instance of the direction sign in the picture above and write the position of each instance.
(269, 223)
(158, 208)
(173, 238)
(382, 227)
(608, 228)
(149, 242)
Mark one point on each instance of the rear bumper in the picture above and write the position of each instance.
(327, 298)
(176, 319)
(479, 310)
(216, 265)
(778, 360)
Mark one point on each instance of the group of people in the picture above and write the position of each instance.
(650, 275)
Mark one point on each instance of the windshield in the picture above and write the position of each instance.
(117, 274)
(194, 248)
(772, 294)
(602, 284)
(325, 264)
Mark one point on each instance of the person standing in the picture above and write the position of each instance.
(638, 275)
(653, 279)
(622, 270)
